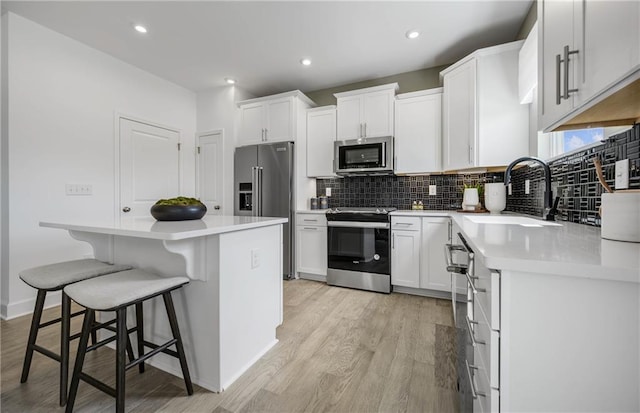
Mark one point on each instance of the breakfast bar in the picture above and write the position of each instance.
(231, 308)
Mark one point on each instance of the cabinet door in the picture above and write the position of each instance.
(611, 44)
(556, 31)
(321, 134)
(405, 258)
(418, 134)
(279, 123)
(433, 266)
(377, 114)
(349, 121)
(459, 117)
(252, 120)
(311, 249)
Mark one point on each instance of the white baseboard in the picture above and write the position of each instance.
(422, 292)
(246, 367)
(24, 307)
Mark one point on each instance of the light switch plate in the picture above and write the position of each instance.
(527, 186)
(327, 191)
(75, 189)
(622, 174)
(255, 258)
(510, 189)
(432, 190)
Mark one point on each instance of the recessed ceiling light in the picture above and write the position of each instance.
(412, 34)
(140, 29)
(230, 81)
(305, 62)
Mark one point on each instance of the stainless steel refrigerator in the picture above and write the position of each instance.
(263, 187)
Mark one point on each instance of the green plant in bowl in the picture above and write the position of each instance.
(180, 208)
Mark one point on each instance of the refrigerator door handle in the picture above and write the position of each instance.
(260, 172)
(254, 189)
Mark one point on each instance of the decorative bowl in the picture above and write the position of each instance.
(178, 212)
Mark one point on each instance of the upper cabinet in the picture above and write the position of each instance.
(589, 50)
(321, 134)
(484, 123)
(270, 118)
(418, 132)
(366, 113)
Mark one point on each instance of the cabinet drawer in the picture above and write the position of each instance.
(488, 296)
(406, 223)
(314, 220)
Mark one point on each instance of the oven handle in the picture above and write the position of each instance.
(351, 224)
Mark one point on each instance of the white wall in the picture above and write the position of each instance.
(4, 183)
(62, 100)
(217, 110)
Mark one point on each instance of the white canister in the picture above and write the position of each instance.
(620, 216)
(495, 197)
(470, 199)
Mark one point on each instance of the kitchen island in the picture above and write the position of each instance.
(229, 312)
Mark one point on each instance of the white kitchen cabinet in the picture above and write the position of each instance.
(321, 134)
(271, 118)
(603, 39)
(484, 123)
(311, 246)
(366, 113)
(418, 132)
(433, 266)
(405, 258)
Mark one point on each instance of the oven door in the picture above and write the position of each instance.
(359, 246)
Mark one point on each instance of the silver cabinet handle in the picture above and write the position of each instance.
(558, 94)
(365, 130)
(403, 223)
(393, 242)
(473, 338)
(474, 392)
(310, 220)
(313, 228)
(360, 133)
(470, 154)
(567, 53)
(266, 134)
(126, 209)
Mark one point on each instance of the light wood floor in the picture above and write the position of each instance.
(340, 350)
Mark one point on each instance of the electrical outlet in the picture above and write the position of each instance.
(255, 258)
(75, 189)
(527, 186)
(327, 191)
(622, 174)
(432, 190)
(510, 189)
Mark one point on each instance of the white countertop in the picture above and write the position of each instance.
(148, 227)
(312, 211)
(570, 249)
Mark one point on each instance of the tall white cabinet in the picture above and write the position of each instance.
(366, 113)
(484, 123)
(321, 134)
(418, 132)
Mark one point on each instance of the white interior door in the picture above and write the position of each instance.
(209, 164)
(149, 166)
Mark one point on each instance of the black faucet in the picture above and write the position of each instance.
(550, 206)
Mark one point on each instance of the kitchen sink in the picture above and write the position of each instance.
(508, 220)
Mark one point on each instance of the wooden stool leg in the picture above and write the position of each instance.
(173, 321)
(121, 362)
(65, 332)
(82, 351)
(140, 334)
(94, 332)
(33, 334)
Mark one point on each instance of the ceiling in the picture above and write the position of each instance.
(198, 44)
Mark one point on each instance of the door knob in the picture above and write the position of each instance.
(216, 207)
(126, 209)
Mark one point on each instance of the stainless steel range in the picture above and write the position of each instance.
(358, 246)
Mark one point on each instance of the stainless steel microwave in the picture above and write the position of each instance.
(364, 156)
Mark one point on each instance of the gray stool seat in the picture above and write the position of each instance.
(123, 288)
(56, 276)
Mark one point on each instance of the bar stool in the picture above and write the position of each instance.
(116, 292)
(54, 277)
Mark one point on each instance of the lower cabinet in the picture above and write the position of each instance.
(311, 246)
(417, 256)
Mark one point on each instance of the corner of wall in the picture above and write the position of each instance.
(4, 165)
